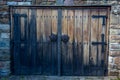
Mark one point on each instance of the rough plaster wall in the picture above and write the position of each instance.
(114, 50)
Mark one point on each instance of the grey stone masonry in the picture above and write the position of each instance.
(114, 44)
(4, 49)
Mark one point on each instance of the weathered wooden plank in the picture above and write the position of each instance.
(39, 40)
(59, 40)
(101, 56)
(46, 41)
(16, 40)
(64, 46)
(33, 39)
(99, 29)
(86, 37)
(77, 54)
(94, 26)
(80, 41)
(64, 22)
(24, 37)
(44, 64)
(54, 17)
(54, 21)
(48, 26)
(49, 29)
(70, 42)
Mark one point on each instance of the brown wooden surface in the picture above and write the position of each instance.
(94, 31)
(78, 55)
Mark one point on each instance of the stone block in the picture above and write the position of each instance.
(114, 63)
(4, 20)
(5, 35)
(4, 54)
(114, 19)
(114, 73)
(2, 2)
(4, 27)
(114, 38)
(114, 53)
(115, 46)
(114, 31)
(4, 14)
(4, 43)
(117, 26)
(47, 3)
(24, 3)
(113, 2)
(11, 3)
(117, 62)
(4, 65)
(4, 8)
(4, 68)
(28, 0)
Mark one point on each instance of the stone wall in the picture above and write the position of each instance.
(114, 46)
(4, 49)
(114, 38)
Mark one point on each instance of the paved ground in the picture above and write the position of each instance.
(38, 77)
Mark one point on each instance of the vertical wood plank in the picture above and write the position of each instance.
(46, 40)
(48, 33)
(75, 55)
(39, 41)
(64, 46)
(93, 56)
(43, 42)
(33, 39)
(54, 17)
(101, 56)
(49, 29)
(59, 40)
(16, 40)
(86, 37)
(24, 37)
(78, 40)
(70, 43)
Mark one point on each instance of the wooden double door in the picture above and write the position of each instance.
(64, 41)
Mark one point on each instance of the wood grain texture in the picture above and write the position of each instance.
(101, 56)
(46, 40)
(24, 36)
(39, 33)
(94, 26)
(54, 18)
(78, 55)
(64, 46)
(16, 40)
(86, 36)
(70, 43)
